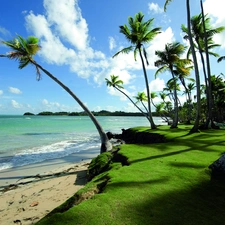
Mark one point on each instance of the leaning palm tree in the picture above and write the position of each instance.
(138, 33)
(167, 61)
(118, 85)
(24, 50)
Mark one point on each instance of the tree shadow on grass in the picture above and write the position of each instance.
(186, 165)
(166, 155)
(202, 205)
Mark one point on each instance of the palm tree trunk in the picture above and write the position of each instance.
(197, 79)
(175, 120)
(153, 126)
(105, 143)
(145, 114)
(210, 103)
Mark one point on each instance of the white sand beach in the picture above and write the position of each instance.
(26, 202)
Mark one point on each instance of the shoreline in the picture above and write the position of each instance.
(11, 175)
(51, 184)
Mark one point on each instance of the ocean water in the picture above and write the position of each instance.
(27, 140)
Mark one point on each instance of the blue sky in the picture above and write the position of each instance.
(78, 40)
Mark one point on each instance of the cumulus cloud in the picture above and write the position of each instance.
(215, 10)
(157, 85)
(46, 105)
(64, 39)
(112, 43)
(1, 92)
(154, 7)
(14, 90)
(15, 104)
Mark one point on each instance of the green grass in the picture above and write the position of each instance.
(165, 184)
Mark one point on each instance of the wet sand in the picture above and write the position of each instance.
(29, 193)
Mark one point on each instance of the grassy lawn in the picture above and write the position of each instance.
(164, 184)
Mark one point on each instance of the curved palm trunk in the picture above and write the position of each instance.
(145, 114)
(197, 79)
(153, 126)
(105, 143)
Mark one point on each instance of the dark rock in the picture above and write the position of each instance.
(110, 135)
(218, 169)
(133, 137)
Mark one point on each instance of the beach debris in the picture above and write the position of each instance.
(17, 222)
(10, 187)
(20, 210)
(34, 204)
(31, 218)
(11, 202)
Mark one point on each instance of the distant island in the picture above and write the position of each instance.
(100, 113)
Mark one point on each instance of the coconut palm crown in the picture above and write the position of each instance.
(138, 33)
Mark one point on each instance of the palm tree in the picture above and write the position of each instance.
(183, 72)
(168, 59)
(118, 85)
(153, 95)
(24, 50)
(203, 36)
(142, 97)
(197, 78)
(139, 33)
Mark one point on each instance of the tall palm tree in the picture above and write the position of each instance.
(203, 34)
(138, 33)
(24, 50)
(118, 85)
(142, 97)
(168, 59)
(197, 78)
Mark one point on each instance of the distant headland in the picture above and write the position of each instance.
(100, 113)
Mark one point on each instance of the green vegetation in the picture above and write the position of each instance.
(163, 183)
(100, 113)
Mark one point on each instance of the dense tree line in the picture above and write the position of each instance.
(100, 113)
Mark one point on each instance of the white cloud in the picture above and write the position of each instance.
(15, 104)
(14, 90)
(1, 92)
(4, 31)
(46, 105)
(112, 43)
(215, 10)
(63, 21)
(155, 8)
(66, 16)
(157, 85)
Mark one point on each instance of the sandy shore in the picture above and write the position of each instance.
(33, 198)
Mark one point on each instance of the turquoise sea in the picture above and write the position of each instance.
(28, 140)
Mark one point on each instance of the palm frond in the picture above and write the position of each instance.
(124, 51)
(161, 70)
(166, 3)
(221, 58)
